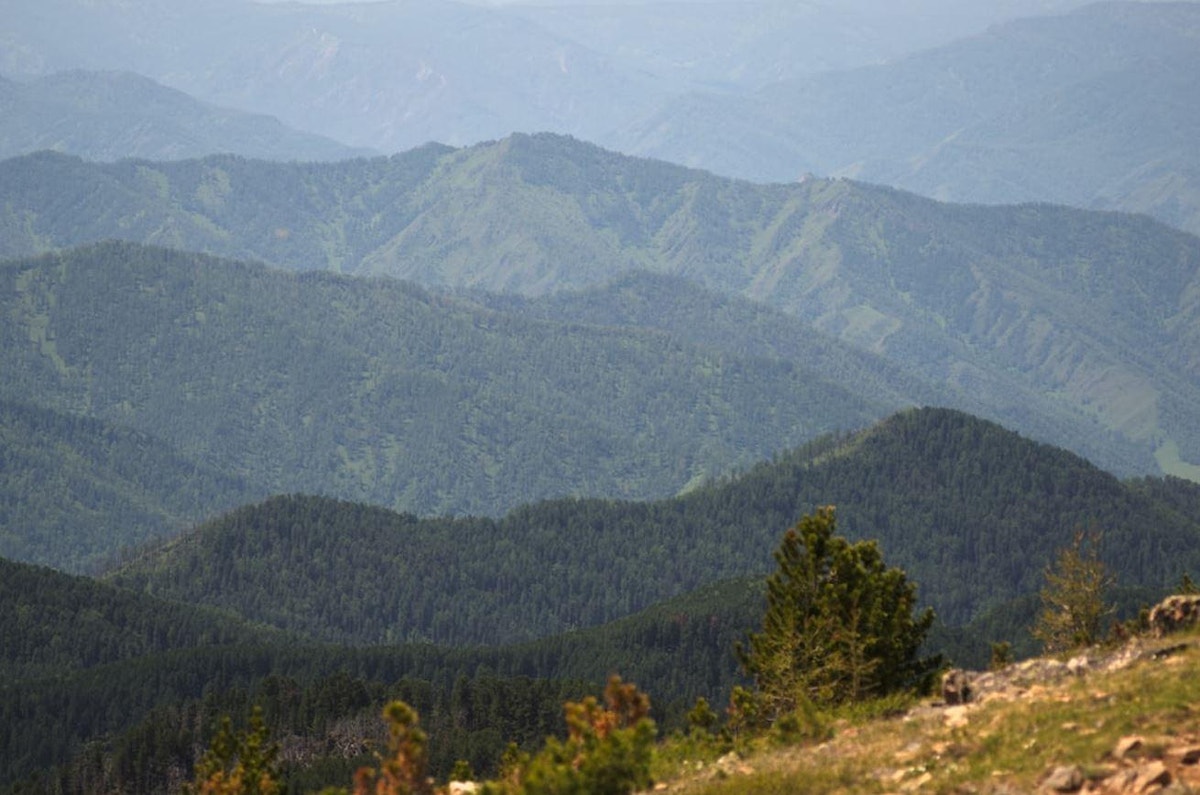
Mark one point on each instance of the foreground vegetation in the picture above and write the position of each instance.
(845, 719)
(1009, 743)
(104, 683)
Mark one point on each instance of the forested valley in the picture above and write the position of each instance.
(318, 610)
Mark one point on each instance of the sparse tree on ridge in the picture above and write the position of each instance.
(839, 624)
(1073, 599)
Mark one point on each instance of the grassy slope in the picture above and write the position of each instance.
(1009, 743)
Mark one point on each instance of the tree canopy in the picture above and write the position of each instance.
(839, 625)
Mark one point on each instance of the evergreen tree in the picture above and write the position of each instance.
(239, 764)
(1073, 599)
(839, 624)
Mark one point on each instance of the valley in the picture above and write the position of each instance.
(643, 394)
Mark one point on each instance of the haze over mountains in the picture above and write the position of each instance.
(115, 115)
(1092, 108)
(1085, 105)
(302, 410)
(394, 75)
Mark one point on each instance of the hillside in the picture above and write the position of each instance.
(970, 510)
(378, 391)
(395, 75)
(111, 684)
(115, 115)
(75, 491)
(1125, 724)
(1085, 321)
(1090, 108)
(80, 623)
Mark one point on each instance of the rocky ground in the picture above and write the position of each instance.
(1123, 719)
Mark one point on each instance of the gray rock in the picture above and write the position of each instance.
(1175, 613)
(1068, 778)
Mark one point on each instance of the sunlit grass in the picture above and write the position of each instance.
(1012, 741)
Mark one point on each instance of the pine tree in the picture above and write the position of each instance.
(238, 764)
(1073, 599)
(839, 624)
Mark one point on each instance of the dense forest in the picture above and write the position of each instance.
(1091, 313)
(382, 392)
(972, 511)
(77, 490)
(108, 685)
(102, 684)
(378, 391)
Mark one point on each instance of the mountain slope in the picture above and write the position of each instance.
(122, 700)
(971, 511)
(1092, 108)
(53, 623)
(1095, 313)
(115, 115)
(379, 391)
(75, 490)
(396, 75)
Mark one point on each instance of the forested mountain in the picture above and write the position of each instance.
(971, 511)
(54, 623)
(1094, 312)
(379, 391)
(74, 490)
(107, 685)
(114, 115)
(1093, 108)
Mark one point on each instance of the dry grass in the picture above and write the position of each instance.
(1007, 743)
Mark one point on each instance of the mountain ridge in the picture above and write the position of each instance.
(1087, 108)
(1095, 312)
(111, 116)
(969, 509)
(381, 391)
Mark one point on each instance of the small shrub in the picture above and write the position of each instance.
(238, 763)
(608, 750)
(1001, 655)
(402, 770)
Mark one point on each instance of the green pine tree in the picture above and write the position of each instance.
(1074, 609)
(839, 624)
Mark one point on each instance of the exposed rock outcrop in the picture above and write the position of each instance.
(1175, 613)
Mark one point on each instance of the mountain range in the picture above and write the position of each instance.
(394, 75)
(969, 510)
(115, 115)
(1076, 326)
(1083, 105)
(1090, 108)
(371, 390)
(290, 425)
